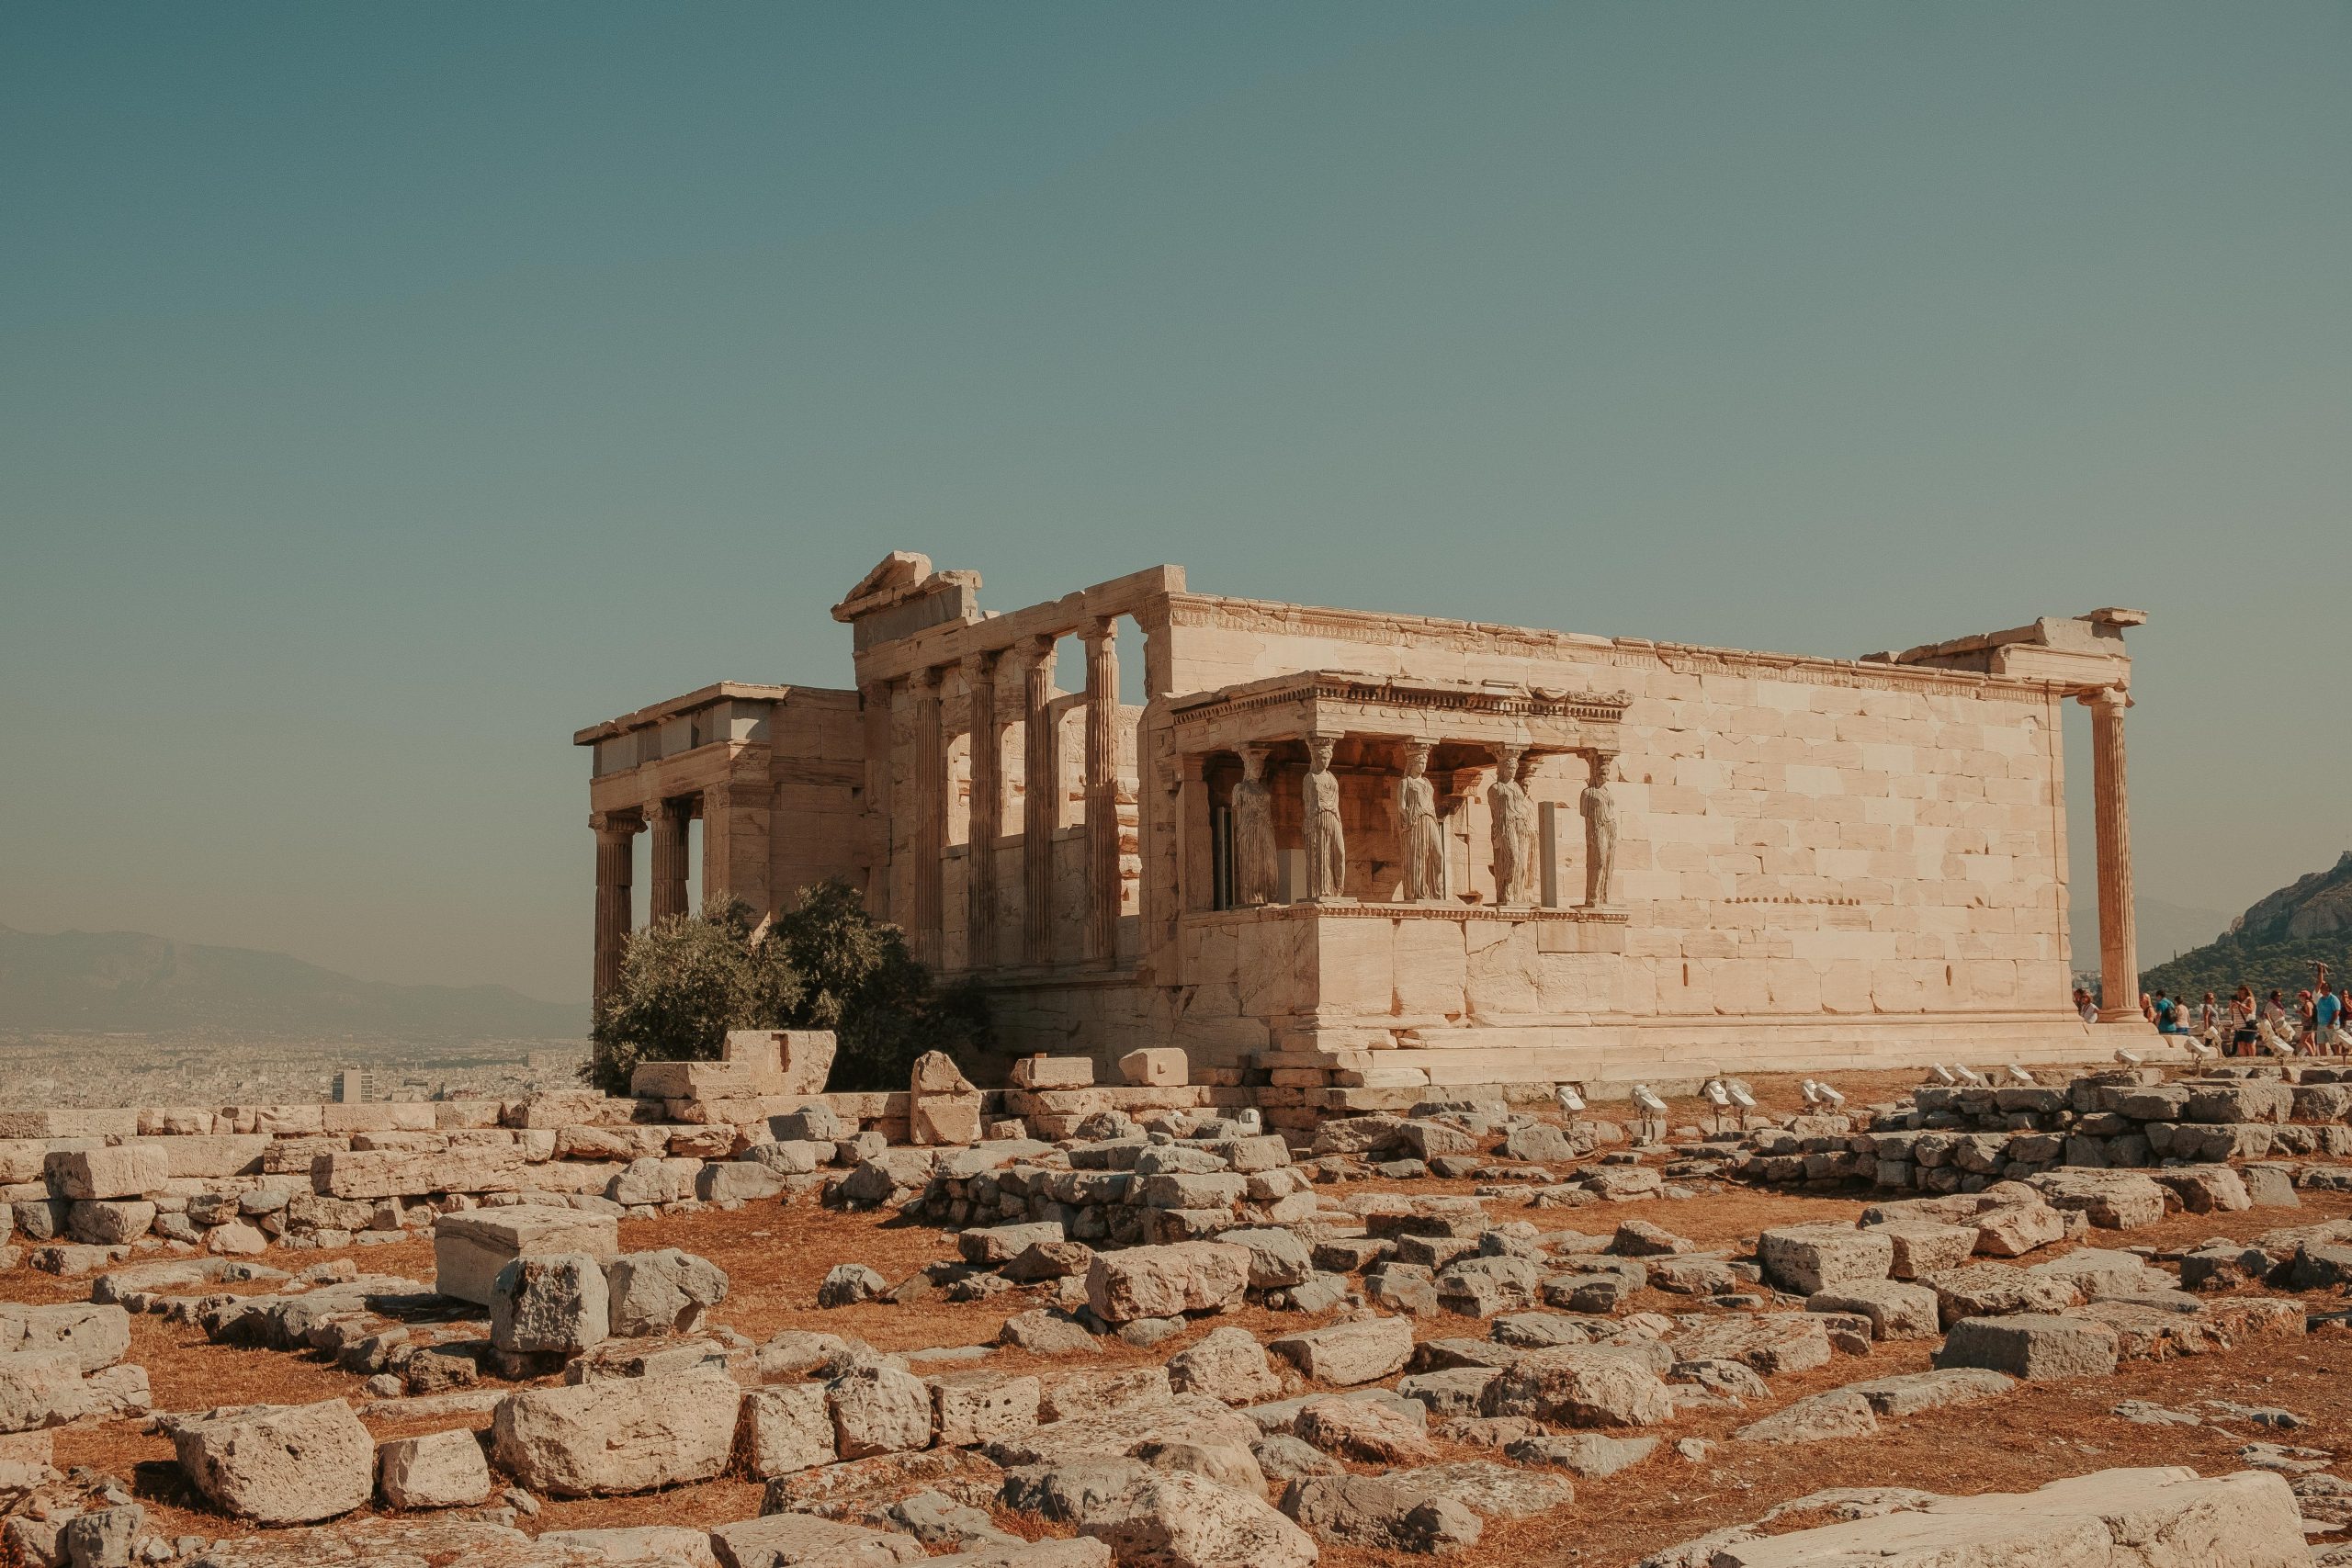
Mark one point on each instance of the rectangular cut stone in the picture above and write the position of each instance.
(1806, 1259)
(469, 1248)
(2032, 1345)
(1156, 1067)
(126, 1170)
(407, 1173)
(1054, 1072)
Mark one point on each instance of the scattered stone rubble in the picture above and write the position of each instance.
(1424, 1325)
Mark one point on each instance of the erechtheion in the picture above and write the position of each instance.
(1382, 850)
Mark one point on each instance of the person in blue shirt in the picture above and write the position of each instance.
(2326, 1008)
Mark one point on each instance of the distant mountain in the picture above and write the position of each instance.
(2164, 929)
(125, 981)
(2273, 945)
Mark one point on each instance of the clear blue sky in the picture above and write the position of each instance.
(387, 391)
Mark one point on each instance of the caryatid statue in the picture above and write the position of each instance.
(1327, 842)
(1256, 861)
(1422, 830)
(1513, 817)
(1599, 831)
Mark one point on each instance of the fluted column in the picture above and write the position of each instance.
(987, 814)
(929, 823)
(614, 831)
(1101, 791)
(2119, 944)
(1041, 773)
(667, 820)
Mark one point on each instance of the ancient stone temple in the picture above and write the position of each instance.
(1390, 849)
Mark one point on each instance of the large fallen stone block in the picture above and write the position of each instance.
(1156, 1067)
(1166, 1281)
(1806, 1259)
(1896, 1309)
(627, 1546)
(1820, 1418)
(279, 1464)
(2111, 1200)
(555, 1304)
(2168, 1518)
(878, 1410)
(1349, 1353)
(471, 1246)
(787, 1540)
(1581, 1385)
(1907, 1393)
(1927, 1246)
(1382, 1514)
(1994, 1289)
(99, 1336)
(1227, 1364)
(412, 1173)
(1770, 1343)
(661, 1292)
(440, 1469)
(2033, 1346)
(126, 1170)
(970, 1408)
(40, 1388)
(627, 1435)
(786, 1429)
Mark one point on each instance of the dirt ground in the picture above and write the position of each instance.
(775, 1257)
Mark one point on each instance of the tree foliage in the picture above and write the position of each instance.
(686, 980)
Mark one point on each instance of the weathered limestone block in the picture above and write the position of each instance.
(1349, 1353)
(1156, 1067)
(470, 1247)
(786, 1429)
(1579, 1385)
(2032, 1345)
(1807, 1260)
(1994, 1289)
(2250, 1099)
(279, 1464)
(1897, 1310)
(942, 1105)
(970, 1408)
(1381, 1514)
(788, 1539)
(411, 1173)
(1166, 1281)
(2111, 1200)
(1365, 1429)
(1176, 1520)
(126, 1170)
(40, 1388)
(2168, 1518)
(1770, 1343)
(1823, 1417)
(2208, 1190)
(661, 1292)
(553, 1304)
(109, 1221)
(1227, 1364)
(1907, 1393)
(99, 1336)
(747, 1181)
(878, 1410)
(1053, 1072)
(631, 1435)
(440, 1469)
(1925, 1246)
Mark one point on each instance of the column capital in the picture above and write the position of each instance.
(927, 678)
(2105, 697)
(616, 824)
(1099, 628)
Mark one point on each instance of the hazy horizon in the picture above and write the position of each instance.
(390, 393)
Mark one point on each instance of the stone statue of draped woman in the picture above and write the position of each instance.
(1420, 829)
(1600, 832)
(1256, 861)
(1513, 813)
(1327, 842)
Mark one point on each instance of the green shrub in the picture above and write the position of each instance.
(827, 964)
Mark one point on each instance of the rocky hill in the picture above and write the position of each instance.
(131, 982)
(2274, 942)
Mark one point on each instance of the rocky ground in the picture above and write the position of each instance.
(1483, 1413)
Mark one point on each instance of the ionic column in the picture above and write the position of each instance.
(668, 822)
(2119, 946)
(614, 831)
(929, 823)
(986, 816)
(1101, 791)
(1041, 772)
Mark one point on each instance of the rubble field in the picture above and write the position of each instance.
(1888, 1329)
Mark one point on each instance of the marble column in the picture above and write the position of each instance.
(929, 825)
(987, 814)
(1599, 812)
(667, 819)
(2119, 946)
(1101, 791)
(614, 831)
(1041, 789)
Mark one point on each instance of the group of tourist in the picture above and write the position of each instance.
(2314, 1023)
